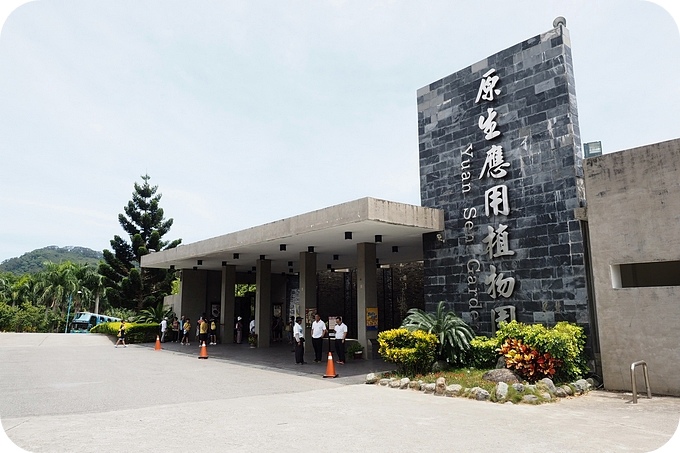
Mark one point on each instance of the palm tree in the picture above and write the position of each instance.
(154, 315)
(56, 283)
(453, 333)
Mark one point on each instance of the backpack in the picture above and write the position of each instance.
(213, 326)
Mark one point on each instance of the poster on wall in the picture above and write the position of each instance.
(371, 318)
(309, 317)
(294, 310)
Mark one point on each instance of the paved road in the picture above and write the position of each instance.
(76, 393)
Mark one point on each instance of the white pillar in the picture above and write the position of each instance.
(307, 283)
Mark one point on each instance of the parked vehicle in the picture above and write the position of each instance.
(84, 321)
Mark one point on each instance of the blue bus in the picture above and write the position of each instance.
(83, 321)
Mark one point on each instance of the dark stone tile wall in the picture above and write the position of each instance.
(539, 135)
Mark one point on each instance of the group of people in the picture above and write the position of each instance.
(206, 330)
(319, 332)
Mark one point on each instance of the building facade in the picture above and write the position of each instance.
(500, 154)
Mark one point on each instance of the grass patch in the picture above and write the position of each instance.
(467, 377)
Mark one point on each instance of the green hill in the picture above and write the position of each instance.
(32, 262)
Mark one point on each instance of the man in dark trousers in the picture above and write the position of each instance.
(318, 333)
(299, 338)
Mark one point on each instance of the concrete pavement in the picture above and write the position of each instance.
(76, 393)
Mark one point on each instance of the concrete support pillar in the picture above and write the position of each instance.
(263, 303)
(367, 296)
(307, 283)
(227, 304)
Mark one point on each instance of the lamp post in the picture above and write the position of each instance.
(68, 311)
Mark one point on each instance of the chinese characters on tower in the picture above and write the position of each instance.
(496, 243)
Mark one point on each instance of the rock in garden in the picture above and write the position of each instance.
(479, 394)
(371, 378)
(429, 388)
(384, 381)
(530, 399)
(414, 385)
(501, 375)
(404, 383)
(440, 386)
(581, 386)
(453, 390)
(546, 396)
(500, 363)
(501, 391)
(519, 387)
(560, 393)
(594, 383)
(568, 390)
(394, 384)
(549, 384)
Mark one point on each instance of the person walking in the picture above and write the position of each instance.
(340, 335)
(299, 335)
(318, 333)
(164, 327)
(121, 334)
(186, 331)
(239, 330)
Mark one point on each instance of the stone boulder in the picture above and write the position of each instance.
(581, 386)
(404, 383)
(371, 378)
(415, 385)
(429, 388)
(530, 399)
(549, 384)
(560, 393)
(500, 363)
(568, 390)
(384, 381)
(440, 386)
(501, 391)
(518, 387)
(453, 390)
(395, 383)
(479, 394)
(501, 375)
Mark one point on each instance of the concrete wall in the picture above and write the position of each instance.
(539, 136)
(634, 217)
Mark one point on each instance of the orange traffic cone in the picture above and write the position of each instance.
(330, 367)
(158, 343)
(204, 352)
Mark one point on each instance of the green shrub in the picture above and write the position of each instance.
(413, 352)
(564, 343)
(452, 332)
(134, 333)
(483, 352)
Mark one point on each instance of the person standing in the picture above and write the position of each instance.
(252, 326)
(121, 334)
(299, 336)
(186, 329)
(340, 335)
(213, 331)
(164, 327)
(239, 330)
(203, 331)
(318, 333)
(175, 329)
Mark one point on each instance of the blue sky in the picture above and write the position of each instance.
(246, 112)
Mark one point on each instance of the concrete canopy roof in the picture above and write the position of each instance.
(400, 225)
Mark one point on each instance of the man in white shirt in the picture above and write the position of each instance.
(340, 335)
(252, 325)
(318, 332)
(299, 338)
(164, 327)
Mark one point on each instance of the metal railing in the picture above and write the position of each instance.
(632, 379)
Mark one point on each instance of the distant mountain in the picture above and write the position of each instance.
(32, 262)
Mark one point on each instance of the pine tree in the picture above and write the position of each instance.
(127, 285)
